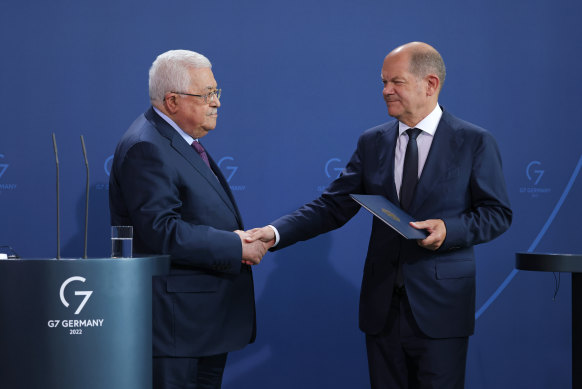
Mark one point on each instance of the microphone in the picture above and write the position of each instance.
(86, 196)
(58, 200)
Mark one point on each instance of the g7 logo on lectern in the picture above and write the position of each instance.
(86, 293)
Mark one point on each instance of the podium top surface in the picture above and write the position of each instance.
(161, 262)
(140, 258)
(550, 262)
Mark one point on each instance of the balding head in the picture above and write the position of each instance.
(424, 60)
(412, 75)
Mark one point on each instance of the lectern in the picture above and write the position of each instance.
(570, 263)
(77, 323)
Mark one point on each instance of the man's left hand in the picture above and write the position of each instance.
(437, 233)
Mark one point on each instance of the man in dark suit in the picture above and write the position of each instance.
(417, 301)
(169, 189)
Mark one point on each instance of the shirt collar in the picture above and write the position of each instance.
(429, 124)
(186, 137)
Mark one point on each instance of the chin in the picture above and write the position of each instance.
(394, 113)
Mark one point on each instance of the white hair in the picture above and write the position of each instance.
(169, 72)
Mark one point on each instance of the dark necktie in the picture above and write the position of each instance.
(409, 180)
(410, 170)
(198, 147)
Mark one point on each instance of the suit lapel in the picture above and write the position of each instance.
(439, 161)
(187, 152)
(387, 145)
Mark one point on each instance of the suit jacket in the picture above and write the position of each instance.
(462, 183)
(177, 206)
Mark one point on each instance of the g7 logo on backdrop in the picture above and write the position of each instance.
(107, 165)
(333, 172)
(532, 173)
(232, 169)
(86, 293)
(3, 166)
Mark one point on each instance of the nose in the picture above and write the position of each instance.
(215, 102)
(388, 89)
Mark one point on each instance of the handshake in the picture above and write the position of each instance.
(255, 244)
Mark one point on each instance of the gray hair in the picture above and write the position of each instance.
(169, 72)
(426, 61)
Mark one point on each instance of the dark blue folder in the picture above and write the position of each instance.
(390, 214)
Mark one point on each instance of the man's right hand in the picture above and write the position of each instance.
(253, 250)
(265, 234)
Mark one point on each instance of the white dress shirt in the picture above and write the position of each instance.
(428, 125)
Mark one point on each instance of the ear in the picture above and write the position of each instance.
(433, 83)
(171, 102)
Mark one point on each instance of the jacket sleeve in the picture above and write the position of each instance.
(151, 191)
(489, 214)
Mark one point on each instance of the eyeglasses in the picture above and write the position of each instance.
(207, 97)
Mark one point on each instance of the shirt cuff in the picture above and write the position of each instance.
(277, 237)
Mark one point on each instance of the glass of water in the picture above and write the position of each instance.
(121, 241)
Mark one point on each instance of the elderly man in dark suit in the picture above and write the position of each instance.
(417, 301)
(167, 186)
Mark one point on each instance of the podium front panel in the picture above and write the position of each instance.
(82, 323)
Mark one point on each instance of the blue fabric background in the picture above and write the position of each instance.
(301, 81)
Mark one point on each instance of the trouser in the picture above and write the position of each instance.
(188, 373)
(401, 356)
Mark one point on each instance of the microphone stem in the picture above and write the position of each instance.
(86, 197)
(58, 200)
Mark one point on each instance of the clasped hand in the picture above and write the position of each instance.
(255, 244)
